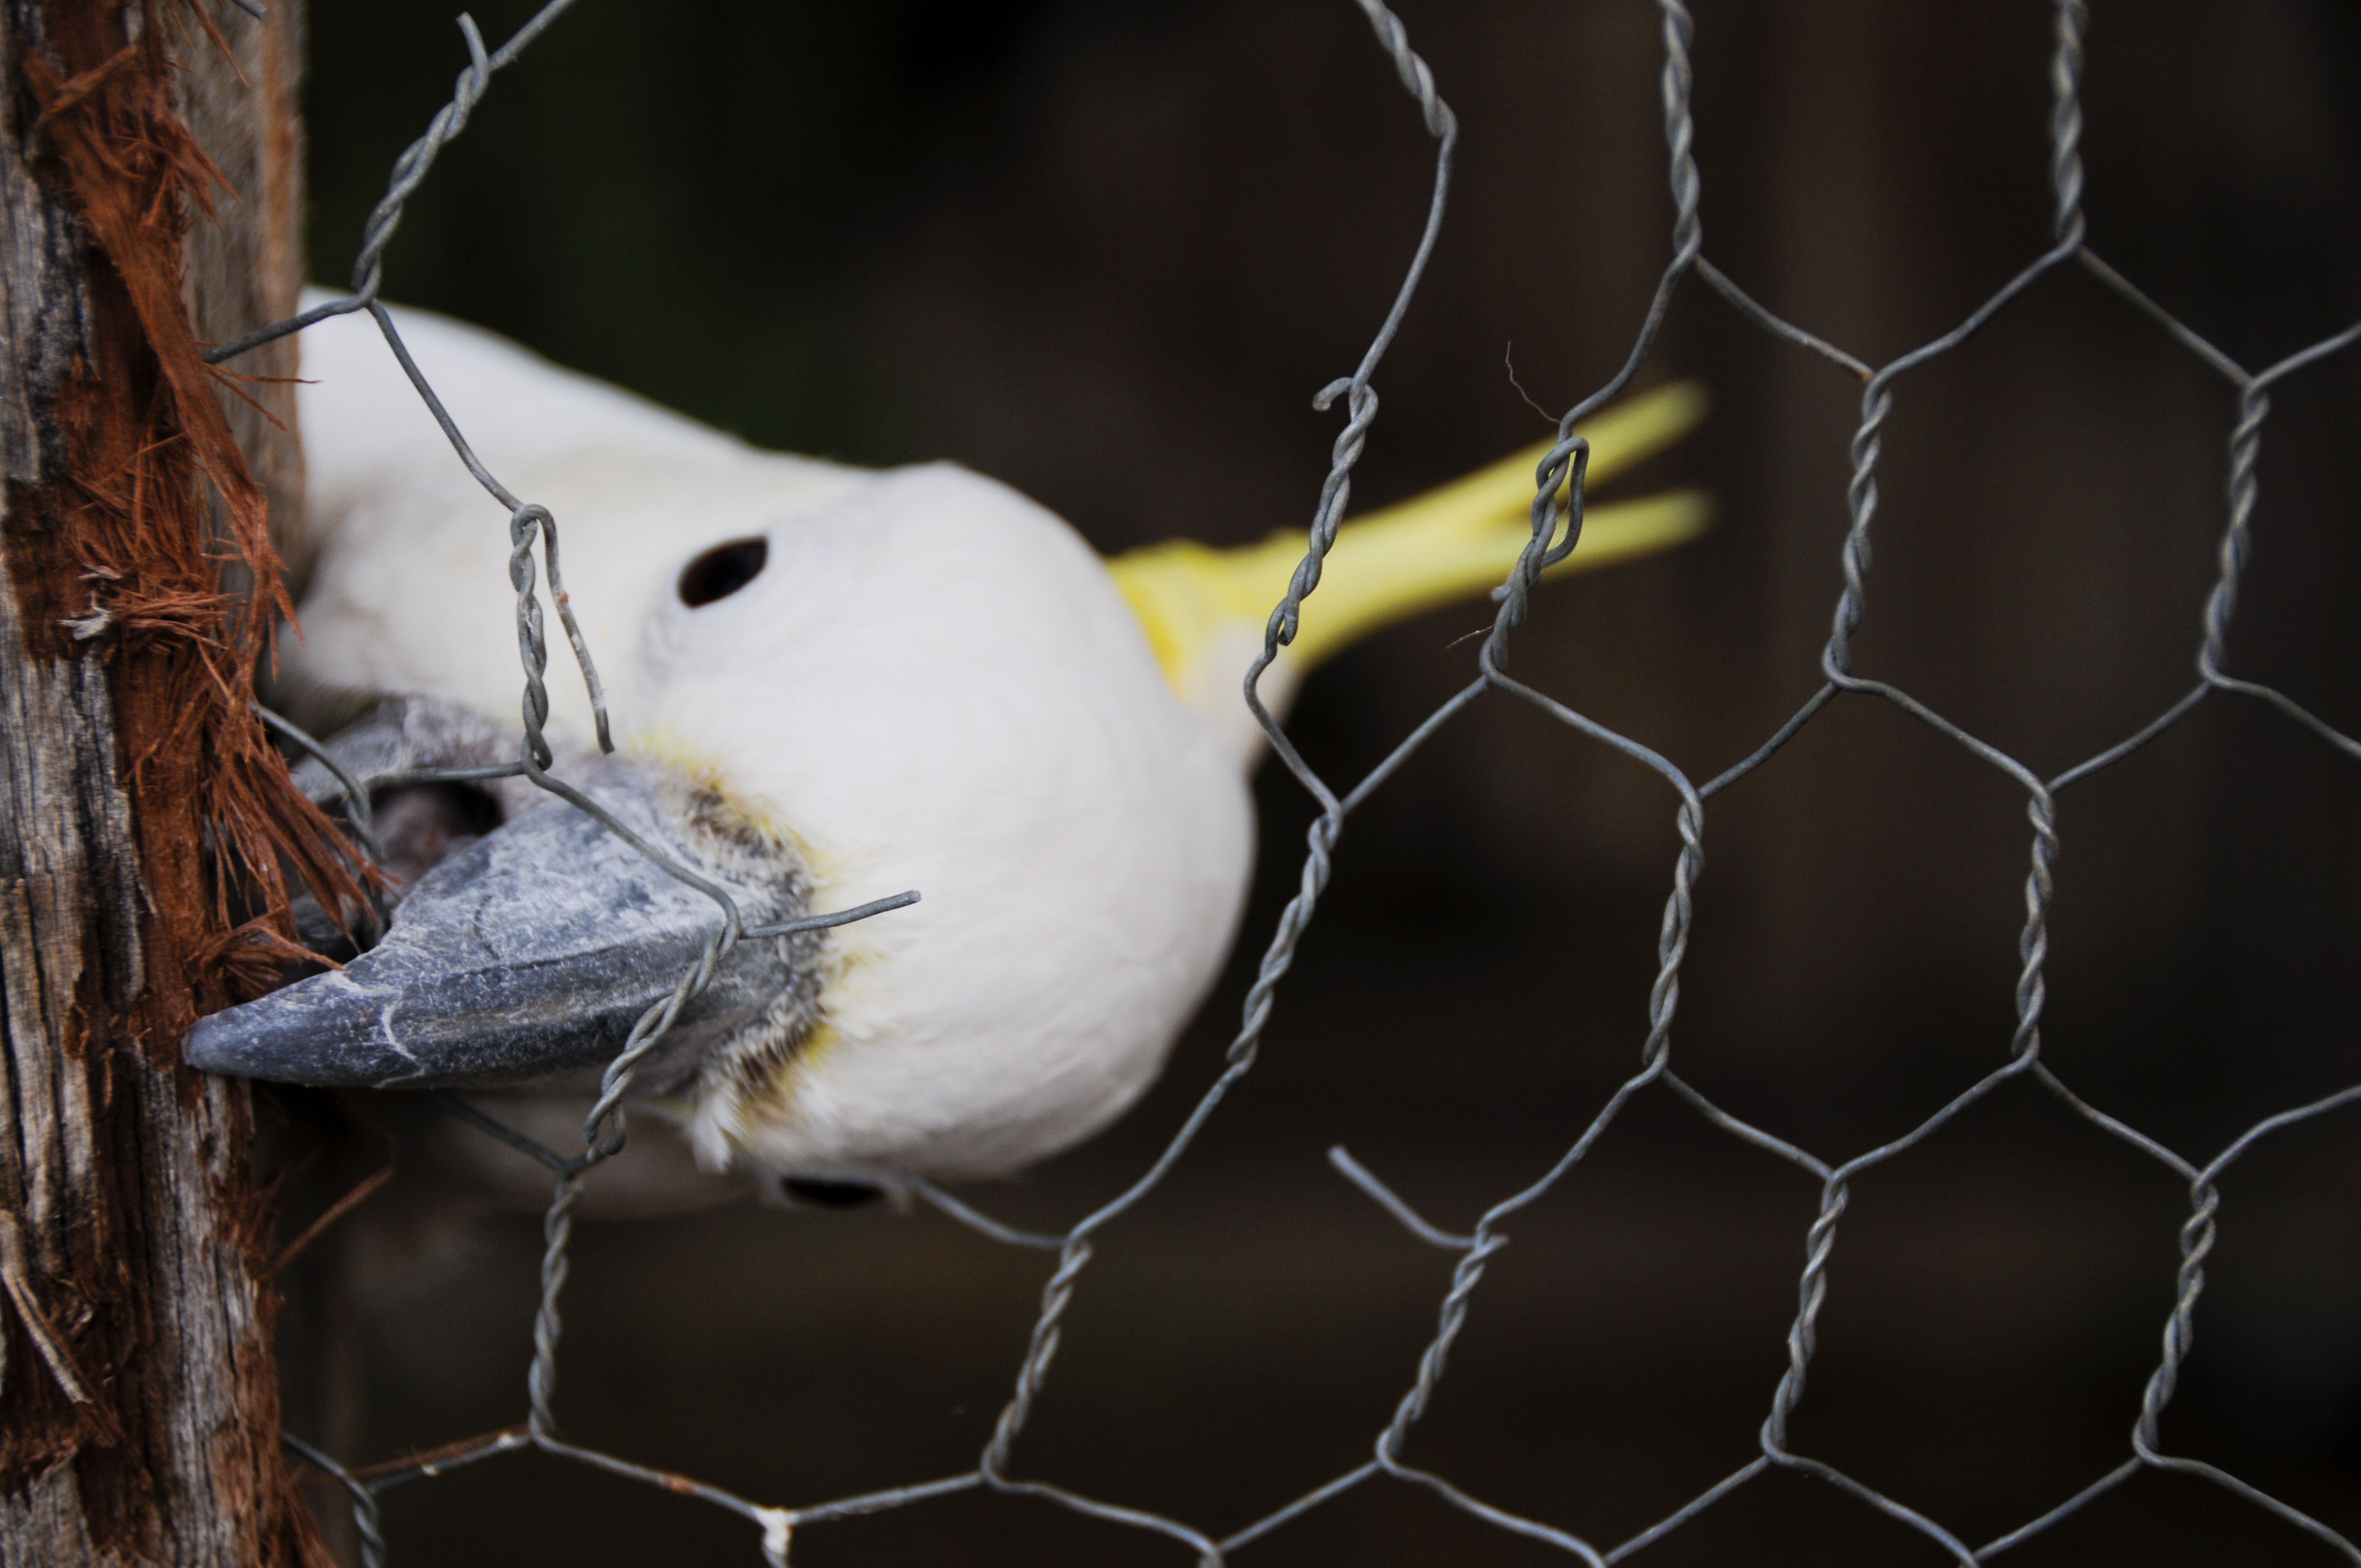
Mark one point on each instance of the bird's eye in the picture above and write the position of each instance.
(830, 1194)
(722, 571)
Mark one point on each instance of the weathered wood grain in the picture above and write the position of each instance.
(138, 1409)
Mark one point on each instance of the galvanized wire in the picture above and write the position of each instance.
(1556, 528)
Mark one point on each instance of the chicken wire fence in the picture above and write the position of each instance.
(1556, 527)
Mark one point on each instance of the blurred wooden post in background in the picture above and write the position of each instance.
(138, 1405)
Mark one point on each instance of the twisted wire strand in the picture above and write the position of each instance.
(2066, 119)
(410, 171)
(2237, 535)
(1361, 404)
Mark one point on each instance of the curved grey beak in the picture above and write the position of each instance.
(526, 953)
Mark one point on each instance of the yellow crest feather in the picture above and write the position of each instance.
(1453, 542)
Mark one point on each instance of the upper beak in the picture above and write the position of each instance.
(526, 953)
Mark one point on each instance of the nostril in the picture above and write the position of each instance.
(419, 823)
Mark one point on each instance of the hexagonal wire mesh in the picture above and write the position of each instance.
(1556, 528)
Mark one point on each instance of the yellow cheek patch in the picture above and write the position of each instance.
(773, 1096)
(663, 746)
(737, 810)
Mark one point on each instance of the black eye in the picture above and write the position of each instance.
(722, 571)
(830, 1194)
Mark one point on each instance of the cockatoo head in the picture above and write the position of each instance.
(829, 686)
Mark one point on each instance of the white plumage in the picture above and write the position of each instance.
(933, 684)
(917, 678)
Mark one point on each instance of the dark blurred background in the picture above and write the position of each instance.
(1107, 252)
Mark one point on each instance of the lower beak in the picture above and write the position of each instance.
(528, 953)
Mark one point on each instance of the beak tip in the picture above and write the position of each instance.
(288, 1037)
(226, 1042)
(211, 1046)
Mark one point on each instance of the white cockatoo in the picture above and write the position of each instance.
(827, 684)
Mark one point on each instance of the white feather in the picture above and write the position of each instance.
(933, 684)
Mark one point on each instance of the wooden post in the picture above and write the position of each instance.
(143, 819)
